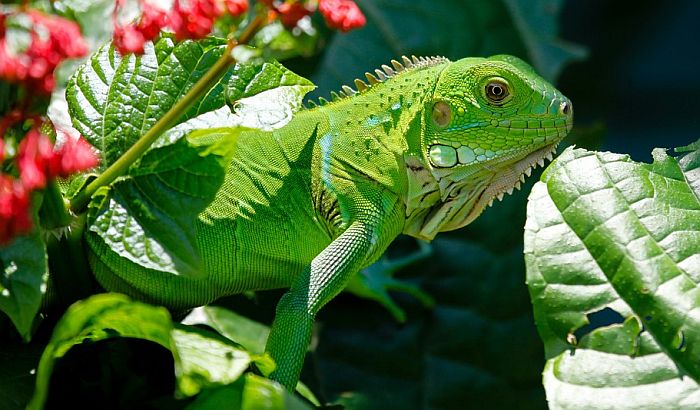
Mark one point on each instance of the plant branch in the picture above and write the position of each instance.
(202, 86)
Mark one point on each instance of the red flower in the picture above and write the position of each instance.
(194, 19)
(189, 19)
(75, 155)
(236, 7)
(35, 159)
(128, 39)
(153, 19)
(53, 39)
(132, 37)
(14, 209)
(38, 161)
(341, 14)
(289, 12)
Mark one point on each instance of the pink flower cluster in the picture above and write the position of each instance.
(36, 162)
(53, 39)
(189, 19)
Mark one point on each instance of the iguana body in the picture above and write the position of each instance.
(421, 150)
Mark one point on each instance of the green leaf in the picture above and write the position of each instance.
(265, 95)
(690, 164)
(202, 359)
(608, 237)
(276, 42)
(97, 318)
(248, 333)
(249, 393)
(113, 100)
(264, 394)
(206, 360)
(453, 28)
(24, 277)
(148, 217)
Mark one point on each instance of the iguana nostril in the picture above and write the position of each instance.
(565, 108)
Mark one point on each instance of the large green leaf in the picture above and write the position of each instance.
(148, 217)
(113, 100)
(206, 360)
(97, 318)
(249, 393)
(248, 333)
(202, 359)
(23, 280)
(612, 251)
(453, 28)
(265, 95)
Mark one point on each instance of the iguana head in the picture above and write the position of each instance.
(490, 121)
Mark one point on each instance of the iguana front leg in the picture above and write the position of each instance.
(327, 276)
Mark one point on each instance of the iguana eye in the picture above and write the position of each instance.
(442, 114)
(497, 91)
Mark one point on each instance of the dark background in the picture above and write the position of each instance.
(641, 76)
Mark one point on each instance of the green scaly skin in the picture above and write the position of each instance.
(423, 149)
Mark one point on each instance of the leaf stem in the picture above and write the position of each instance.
(203, 85)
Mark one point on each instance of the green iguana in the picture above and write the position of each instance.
(423, 148)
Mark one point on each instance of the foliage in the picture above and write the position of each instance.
(608, 236)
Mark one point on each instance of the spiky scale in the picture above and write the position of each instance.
(322, 101)
(387, 70)
(372, 79)
(415, 60)
(360, 85)
(348, 90)
(407, 62)
(397, 66)
(380, 74)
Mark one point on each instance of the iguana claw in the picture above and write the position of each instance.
(376, 280)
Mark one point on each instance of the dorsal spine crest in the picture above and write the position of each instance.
(380, 75)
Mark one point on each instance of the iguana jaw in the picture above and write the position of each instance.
(438, 203)
(509, 178)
